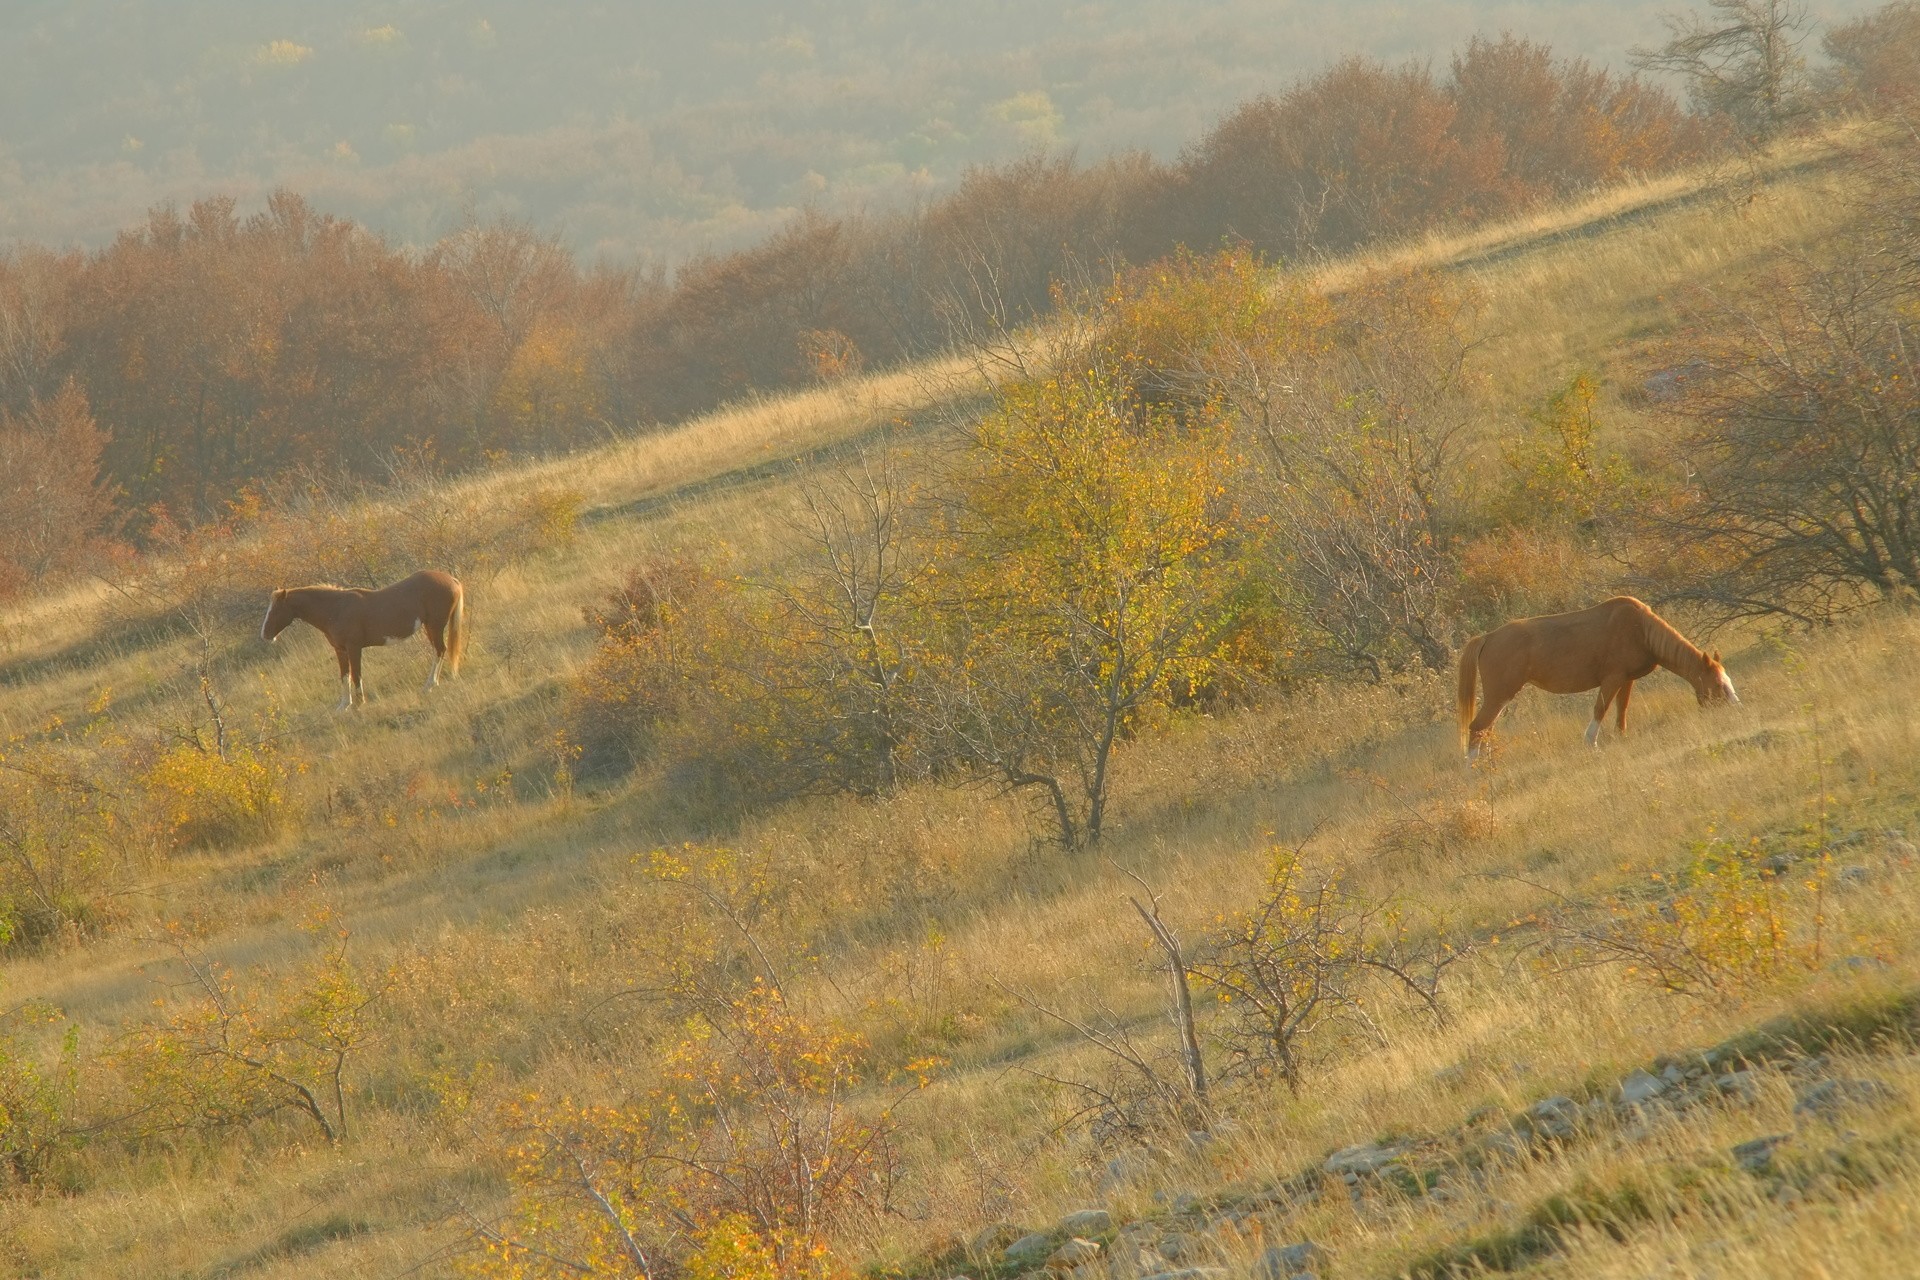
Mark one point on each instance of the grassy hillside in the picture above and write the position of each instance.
(518, 928)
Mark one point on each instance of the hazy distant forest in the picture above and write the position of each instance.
(210, 352)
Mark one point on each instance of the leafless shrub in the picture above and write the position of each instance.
(1800, 440)
(1294, 974)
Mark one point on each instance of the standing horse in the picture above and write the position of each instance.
(1606, 647)
(354, 618)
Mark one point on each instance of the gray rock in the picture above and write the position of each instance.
(1174, 1247)
(1508, 1146)
(1086, 1222)
(1756, 1156)
(1831, 1097)
(1639, 1087)
(1858, 964)
(1199, 1139)
(1810, 1068)
(1853, 877)
(1555, 1117)
(1029, 1249)
(992, 1240)
(1674, 1073)
(1451, 1077)
(1124, 1171)
(1363, 1158)
(1186, 1202)
(1741, 1086)
(1074, 1253)
(1189, 1273)
(1283, 1262)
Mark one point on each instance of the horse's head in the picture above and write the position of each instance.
(279, 614)
(1714, 685)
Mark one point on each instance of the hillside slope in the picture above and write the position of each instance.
(510, 907)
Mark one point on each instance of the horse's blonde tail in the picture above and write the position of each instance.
(1469, 677)
(456, 630)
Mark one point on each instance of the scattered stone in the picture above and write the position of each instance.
(1362, 1158)
(1831, 1097)
(1074, 1253)
(1029, 1249)
(1639, 1087)
(1858, 964)
(1124, 1171)
(1186, 1202)
(1189, 1273)
(1451, 1077)
(994, 1239)
(1086, 1222)
(1510, 1145)
(1199, 1139)
(1853, 877)
(1285, 1262)
(1778, 863)
(1555, 1117)
(1174, 1247)
(1742, 1085)
(1756, 1156)
(1674, 1073)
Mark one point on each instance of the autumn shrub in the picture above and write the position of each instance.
(818, 673)
(637, 679)
(74, 837)
(228, 1054)
(39, 1095)
(740, 1161)
(1733, 919)
(221, 799)
(1557, 471)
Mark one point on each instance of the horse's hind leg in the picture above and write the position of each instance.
(346, 680)
(1610, 688)
(437, 637)
(1494, 697)
(1620, 706)
(359, 688)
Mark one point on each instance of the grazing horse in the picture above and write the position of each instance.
(354, 618)
(1606, 647)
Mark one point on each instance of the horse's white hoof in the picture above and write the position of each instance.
(1593, 733)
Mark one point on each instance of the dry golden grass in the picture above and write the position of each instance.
(437, 834)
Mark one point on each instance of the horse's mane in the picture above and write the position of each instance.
(1674, 651)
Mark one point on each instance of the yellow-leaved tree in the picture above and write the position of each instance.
(1094, 564)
